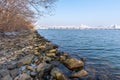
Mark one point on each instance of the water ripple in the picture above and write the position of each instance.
(101, 48)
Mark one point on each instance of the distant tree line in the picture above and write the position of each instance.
(19, 14)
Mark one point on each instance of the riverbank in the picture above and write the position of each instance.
(27, 55)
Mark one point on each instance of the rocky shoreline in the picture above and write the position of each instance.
(29, 56)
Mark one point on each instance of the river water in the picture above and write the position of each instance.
(100, 48)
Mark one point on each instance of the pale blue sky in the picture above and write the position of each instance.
(90, 12)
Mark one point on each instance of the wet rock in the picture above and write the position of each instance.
(73, 63)
(25, 60)
(23, 77)
(14, 73)
(57, 74)
(7, 77)
(79, 74)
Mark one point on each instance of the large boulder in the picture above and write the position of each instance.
(73, 64)
(79, 74)
(57, 74)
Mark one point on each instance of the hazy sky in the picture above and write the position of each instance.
(90, 12)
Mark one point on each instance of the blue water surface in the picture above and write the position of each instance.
(100, 48)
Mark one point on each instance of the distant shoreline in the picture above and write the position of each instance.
(76, 29)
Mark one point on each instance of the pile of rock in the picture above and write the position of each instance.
(42, 62)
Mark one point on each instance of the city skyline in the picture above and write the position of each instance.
(89, 12)
(81, 26)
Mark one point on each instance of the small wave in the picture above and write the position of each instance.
(91, 49)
